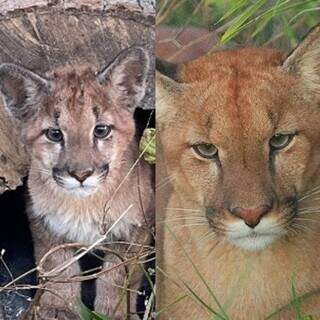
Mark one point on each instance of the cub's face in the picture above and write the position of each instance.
(79, 127)
(242, 142)
(80, 137)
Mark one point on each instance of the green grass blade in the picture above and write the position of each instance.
(196, 297)
(302, 12)
(290, 34)
(280, 10)
(265, 20)
(295, 302)
(199, 275)
(236, 27)
(158, 312)
(236, 7)
(289, 305)
(86, 314)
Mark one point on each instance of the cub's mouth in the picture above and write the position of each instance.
(80, 183)
(253, 236)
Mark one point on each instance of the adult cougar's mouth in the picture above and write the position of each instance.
(255, 239)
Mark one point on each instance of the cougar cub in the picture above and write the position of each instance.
(79, 129)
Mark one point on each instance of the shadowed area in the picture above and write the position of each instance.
(15, 239)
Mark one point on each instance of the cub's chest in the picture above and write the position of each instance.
(84, 222)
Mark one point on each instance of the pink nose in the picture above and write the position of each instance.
(81, 175)
(251, 217)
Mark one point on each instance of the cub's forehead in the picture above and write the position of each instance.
(75, 92)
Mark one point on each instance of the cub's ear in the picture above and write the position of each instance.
(126, 75)
(22, 91)
(304, 61)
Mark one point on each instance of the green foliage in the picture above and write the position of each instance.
(217, 315)
(241, 19)
(255, 22)
(295, 301)
(148, 145)
(86, 314)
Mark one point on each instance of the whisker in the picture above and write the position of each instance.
(317, 210)
(302, 228)
(42, 170)
(189, 225)
(209, 235)
(184, 218)
(311, 192)
(183, 209)
(306, 219)
(293, 230)
(307, 208)
(187, 215)
(165, 181)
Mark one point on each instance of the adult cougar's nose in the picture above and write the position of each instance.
(81, 175)
(250, 216)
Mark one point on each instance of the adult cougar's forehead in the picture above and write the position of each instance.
(243, 104)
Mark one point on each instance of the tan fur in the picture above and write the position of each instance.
(237, 100)
(60, 211)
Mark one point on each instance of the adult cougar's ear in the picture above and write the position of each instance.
(22, 91)
(169, 87)
(304, 62)
(168, 69)
(168, 90)
(126, 76)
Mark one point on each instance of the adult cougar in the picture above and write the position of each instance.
(240, 131)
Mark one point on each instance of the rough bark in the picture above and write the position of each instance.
(43, 34)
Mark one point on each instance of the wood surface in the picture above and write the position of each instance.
(43, 34)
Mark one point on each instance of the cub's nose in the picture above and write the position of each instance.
(251, 217)
(80, 175)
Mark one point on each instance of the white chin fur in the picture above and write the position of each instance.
(259, 238)
(76, 189)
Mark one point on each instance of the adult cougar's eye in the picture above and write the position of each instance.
(206, 150)
(101, 131)
(54, 135)
(280, 141)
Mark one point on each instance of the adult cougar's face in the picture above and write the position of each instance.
(242, 142)
(77, 125)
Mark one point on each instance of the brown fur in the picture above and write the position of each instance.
(237, 100)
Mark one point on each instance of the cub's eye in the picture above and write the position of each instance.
(101, 131)
(280, 141)
(54, 135)
(206, 150)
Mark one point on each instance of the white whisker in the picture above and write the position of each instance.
(183, 209)
(189, 225)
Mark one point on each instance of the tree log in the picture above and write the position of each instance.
(43, 34)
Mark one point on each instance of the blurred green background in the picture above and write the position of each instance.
(276, 23)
